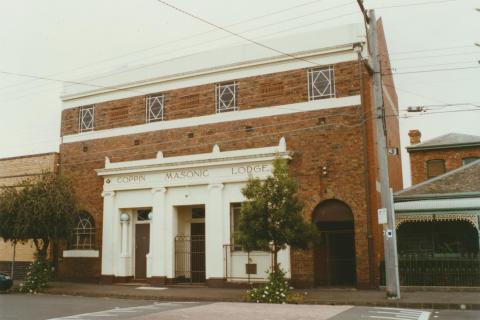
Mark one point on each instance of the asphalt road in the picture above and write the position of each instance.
(49, 307)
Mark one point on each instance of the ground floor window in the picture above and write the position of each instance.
(438, 238)
(235, 209)
(84, 232)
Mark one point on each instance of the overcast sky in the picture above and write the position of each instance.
(64, 40)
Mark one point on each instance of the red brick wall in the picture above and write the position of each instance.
(453, 160)
(391, 112)
(344, 144)
(252, 92)
(334, 145)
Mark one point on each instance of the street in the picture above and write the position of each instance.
(49, 307)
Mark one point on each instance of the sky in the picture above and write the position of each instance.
(66, 40)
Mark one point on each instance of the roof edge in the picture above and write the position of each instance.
(426, 182)
(30, 156)
(434, 196)
(443, 146)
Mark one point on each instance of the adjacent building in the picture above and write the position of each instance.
(438, 218)
(159, 154)
(441, 154)
(14, 171)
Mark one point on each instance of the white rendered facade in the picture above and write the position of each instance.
(213, 180)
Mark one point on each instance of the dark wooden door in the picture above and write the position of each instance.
(142, 247)
(335, 259)
(197, 253)
(342, 258)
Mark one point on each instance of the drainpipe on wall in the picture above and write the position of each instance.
(371, 258)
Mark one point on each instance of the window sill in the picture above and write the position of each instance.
(81, 254)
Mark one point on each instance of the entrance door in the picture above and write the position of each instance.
(142, 244)
(197, 254)
(334, 254)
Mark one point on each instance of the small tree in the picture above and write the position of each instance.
(9, 208)
(47, 211)
(272, 218)
(42, 210)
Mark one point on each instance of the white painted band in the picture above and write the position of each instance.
(217, 118)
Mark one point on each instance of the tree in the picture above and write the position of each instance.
(9, 204)
(43, 210)
(48, 212)
(272, 217)
(9, 208)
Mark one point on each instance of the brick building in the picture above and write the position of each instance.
(441, 154)
(438, 218)
(159, 154)
(12, 172)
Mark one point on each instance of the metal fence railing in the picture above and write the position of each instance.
(190, 259)
(416, 270)
(245, 266)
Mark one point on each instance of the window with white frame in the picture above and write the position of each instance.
(87, 118)
(226, 96)
(155, 107)
(321, 83)
(84, 232)
(234, 221)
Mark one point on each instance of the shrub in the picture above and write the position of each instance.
(276, 290)
(38, 275)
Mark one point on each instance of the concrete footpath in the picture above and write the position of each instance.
(424, 299)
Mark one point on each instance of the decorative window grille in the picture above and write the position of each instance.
(234, 221)
(143, 215)
(155, 107)
(87, 118)
(84, 233)
(321, 83)
(226, 97)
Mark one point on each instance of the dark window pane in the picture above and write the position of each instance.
(435, 168)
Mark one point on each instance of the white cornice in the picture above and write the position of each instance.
(216, 118)
(438, 204)
(303, 50)
(214, 158)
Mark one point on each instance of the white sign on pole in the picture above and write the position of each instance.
(382, 216)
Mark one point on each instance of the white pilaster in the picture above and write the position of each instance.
(157, 234)
(109, 219)
(124, 262)
(214, 232)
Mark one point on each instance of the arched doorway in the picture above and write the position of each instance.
(334, 253)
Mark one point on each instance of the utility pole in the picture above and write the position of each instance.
(386, 196)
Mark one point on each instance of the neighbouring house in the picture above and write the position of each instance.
(13, 171)
(159, 154)
(436, 156)
(438, 219)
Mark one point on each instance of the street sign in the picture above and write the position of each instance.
(382, 216)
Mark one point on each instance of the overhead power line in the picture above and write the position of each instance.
(414, 4)
(202, 43)
(173, 41)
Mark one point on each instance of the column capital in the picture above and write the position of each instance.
(215, 186)
(159, 190)
(108, 194)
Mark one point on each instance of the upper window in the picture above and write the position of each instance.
(234, 221)
(87, 118)
(468, 160)
(321, 83)
(155, 107)
(84, 232)
(226, 96)
(435, 168)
